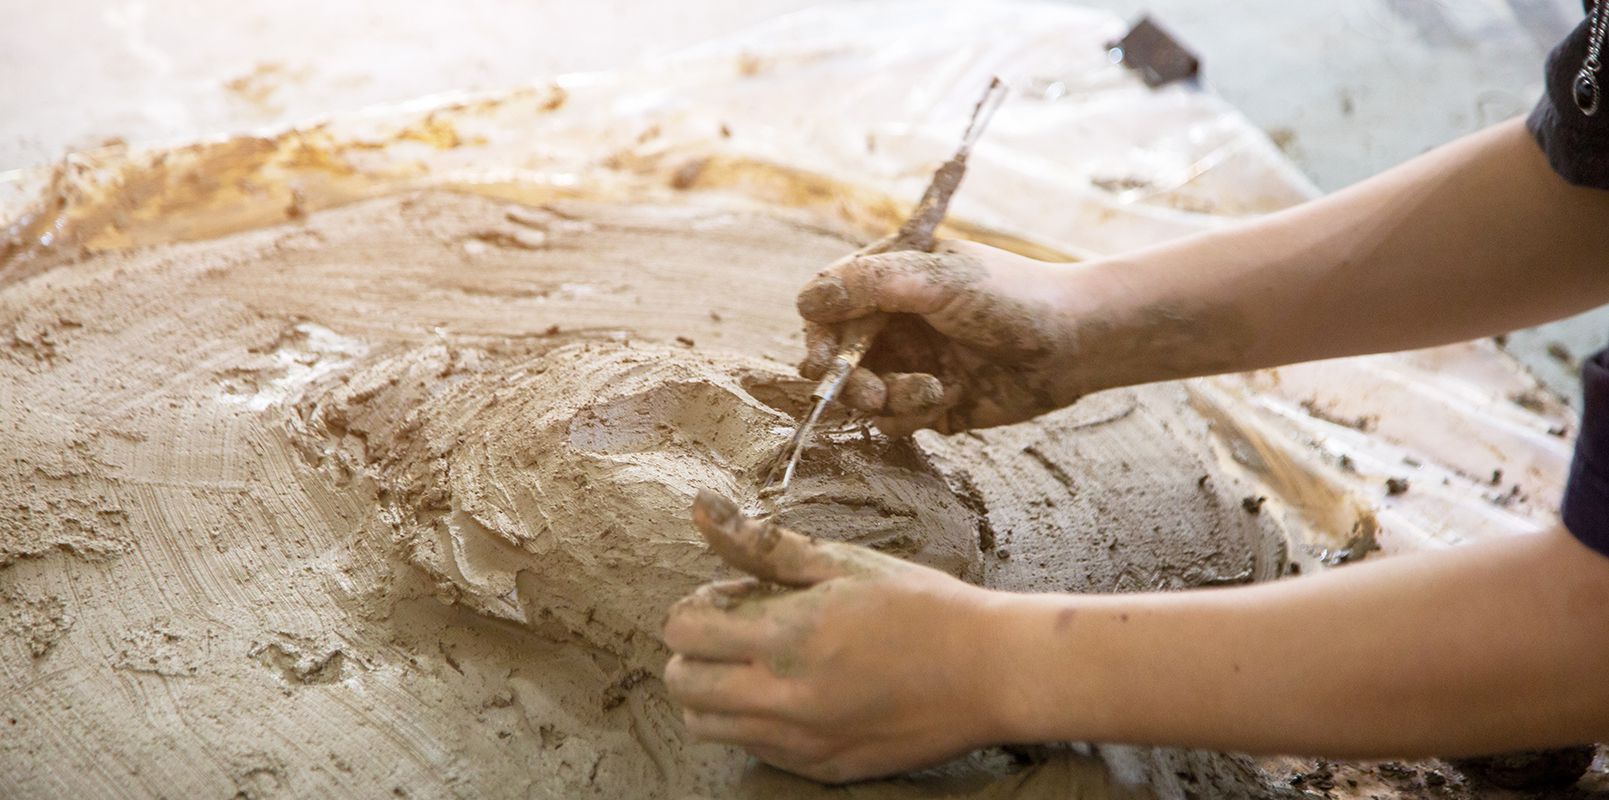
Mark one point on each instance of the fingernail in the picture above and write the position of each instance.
(824, 295)
(865, 392)
(720, 510)
(913, 393)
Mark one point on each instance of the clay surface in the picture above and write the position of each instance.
(392, 498)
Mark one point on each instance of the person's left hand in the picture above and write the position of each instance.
(835, 662)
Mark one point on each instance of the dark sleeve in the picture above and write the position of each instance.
(1586, 496)
(1576, 145)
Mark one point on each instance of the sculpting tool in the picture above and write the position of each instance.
(917, 233)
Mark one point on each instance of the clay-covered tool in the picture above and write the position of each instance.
(917, 233)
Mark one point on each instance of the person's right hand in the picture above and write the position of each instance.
(977, 336)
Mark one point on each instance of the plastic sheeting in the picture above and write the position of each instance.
(846, 110)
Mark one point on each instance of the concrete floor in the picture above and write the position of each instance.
(1347, 87)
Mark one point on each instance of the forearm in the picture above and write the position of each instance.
(1474, 238)
(1490, 647)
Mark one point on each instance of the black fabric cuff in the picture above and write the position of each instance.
(1574, 151)
(1586, 497)
(1576, 145)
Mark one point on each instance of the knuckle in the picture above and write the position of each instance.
(865, 391)
(822, 345)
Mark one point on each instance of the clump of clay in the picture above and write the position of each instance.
(395, 480)
(551, 485)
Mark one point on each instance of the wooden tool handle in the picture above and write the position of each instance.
(919, 229)
(916, 234)
(857, 335)
(854, 340)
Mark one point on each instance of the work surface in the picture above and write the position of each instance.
(1347, 88)
(367, 467)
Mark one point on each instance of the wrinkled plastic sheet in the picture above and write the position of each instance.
(845, 110)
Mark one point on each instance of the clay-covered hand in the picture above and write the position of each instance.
(835, 662)
(977, 336)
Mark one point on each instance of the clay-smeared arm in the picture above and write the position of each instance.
(1476, 237)
(836, 678)
(1492, 647)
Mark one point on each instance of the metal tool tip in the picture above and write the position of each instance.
(993, 96)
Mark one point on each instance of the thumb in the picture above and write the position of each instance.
(765, 550)
(905, 281)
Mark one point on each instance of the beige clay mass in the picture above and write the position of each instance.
(535, 482)
(391, 500)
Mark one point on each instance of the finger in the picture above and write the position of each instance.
(722, 687)
(908, 281)
(864, 391)
(763, 549)
(913, 393)
(944, 416)
(743, 730)
(821, 343)
(700, 625)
